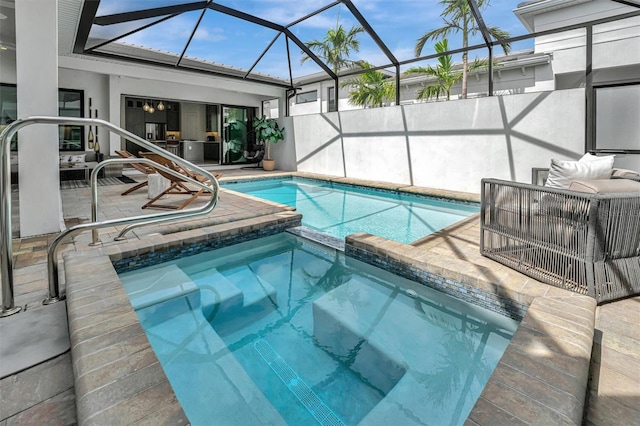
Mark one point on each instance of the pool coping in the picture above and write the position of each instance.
(434, 193)
(118, 377)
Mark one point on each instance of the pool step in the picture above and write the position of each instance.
(364, 336)
(147, 287)
(254, 290)
(218, 296)
(230, 294)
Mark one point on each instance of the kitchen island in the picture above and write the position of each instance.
(195, 151)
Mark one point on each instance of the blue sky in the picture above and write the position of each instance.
(226, 40)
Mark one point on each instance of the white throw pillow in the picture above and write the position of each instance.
(65, 158)
(562, 173)
(591, 157)
(78, 158)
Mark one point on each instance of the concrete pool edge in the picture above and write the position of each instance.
(542, 377)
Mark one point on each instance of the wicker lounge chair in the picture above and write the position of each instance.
(585, 242)
(177, 185)
(138, 166)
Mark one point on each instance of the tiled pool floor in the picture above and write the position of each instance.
(46, 391)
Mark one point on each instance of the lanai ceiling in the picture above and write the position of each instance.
(265, 40)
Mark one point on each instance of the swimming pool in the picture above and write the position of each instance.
(280, 330)
(340, 210)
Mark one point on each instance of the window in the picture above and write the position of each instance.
(303, 98)
(8, 109)
(617, 108)
(331, 100)
(70, 104)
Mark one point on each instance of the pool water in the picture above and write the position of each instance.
(281, 330)
(340, 210)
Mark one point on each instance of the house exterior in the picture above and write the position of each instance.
(515, 73)
(556, 62)
(39, 62)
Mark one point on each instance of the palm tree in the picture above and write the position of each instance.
(457, 17)
(443, 73)
(370, 89)
(336, 47)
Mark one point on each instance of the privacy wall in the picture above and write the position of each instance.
(449, 145)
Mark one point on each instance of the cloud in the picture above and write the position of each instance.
(212, 35)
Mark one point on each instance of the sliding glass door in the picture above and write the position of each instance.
(237, 133)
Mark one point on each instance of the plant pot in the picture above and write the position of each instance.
(268, 165)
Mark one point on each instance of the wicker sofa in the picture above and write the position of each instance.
(585, 239)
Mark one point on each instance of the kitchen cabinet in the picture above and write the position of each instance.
(212, 118)
(212, 152)
(156, 116)
(134, 122)
(173, 116)
(193, 151)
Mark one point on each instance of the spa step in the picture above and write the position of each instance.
(259, 299)
(218, 295)
(254, 290)
(147, 287)
(226, 295)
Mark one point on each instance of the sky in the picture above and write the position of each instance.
(226, 40)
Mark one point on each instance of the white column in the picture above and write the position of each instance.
(37, 87)
(115, 113)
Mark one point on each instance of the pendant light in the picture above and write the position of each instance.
(146, 106)
(151, 109)
(160, 106)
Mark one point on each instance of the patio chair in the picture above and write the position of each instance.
(587, 242)
(177, 185)
(147, 170)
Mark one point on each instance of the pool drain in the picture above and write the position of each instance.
(297, 386)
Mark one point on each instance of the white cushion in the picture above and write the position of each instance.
(77, 158)
(602, 186)
(65, 158)
(562, 173)
(591, 157)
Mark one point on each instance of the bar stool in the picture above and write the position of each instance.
(173, 147)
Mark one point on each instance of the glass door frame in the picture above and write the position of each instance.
(235, 154)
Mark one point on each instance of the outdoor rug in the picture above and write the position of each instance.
(72, 184)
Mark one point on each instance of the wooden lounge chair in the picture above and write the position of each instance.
(147, 170)
(177, 185)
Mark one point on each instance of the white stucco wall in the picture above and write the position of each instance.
(37, 94)
(449, 145)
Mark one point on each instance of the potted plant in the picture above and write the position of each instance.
(267, 130)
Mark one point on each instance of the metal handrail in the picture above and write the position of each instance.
(6, 247)
(155, 218)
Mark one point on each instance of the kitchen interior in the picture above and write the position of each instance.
(192, 130)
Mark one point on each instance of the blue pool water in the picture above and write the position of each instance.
(280, 330)
(340, 210)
